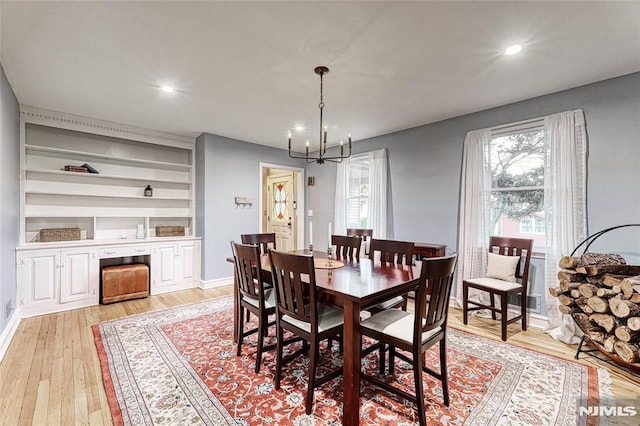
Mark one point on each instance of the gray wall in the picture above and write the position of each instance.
(425, 165)
(225, 169)
(9, 198)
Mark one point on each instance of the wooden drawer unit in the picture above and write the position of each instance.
(124, 251)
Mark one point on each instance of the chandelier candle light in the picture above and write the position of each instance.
(322, 157)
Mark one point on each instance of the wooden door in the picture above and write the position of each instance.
(281, 218)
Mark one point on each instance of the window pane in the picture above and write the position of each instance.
(517, 160)
(358, 193)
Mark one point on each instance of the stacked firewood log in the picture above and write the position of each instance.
(602, 294)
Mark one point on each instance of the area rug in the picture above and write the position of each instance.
(178, 366)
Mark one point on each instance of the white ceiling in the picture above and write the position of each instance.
(245, 69)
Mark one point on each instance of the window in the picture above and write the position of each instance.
(361, 193)
(358, 193)
(515, 158)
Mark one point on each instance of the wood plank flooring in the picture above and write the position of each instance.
(50, 374)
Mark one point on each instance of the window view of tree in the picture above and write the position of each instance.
(517, 183)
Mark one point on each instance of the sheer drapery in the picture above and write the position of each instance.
(377, 198)
(565, 198)
(475, 193)
(377, 206)
(342, 192)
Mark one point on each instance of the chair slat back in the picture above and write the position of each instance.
(436, 281)
(294, 279)
(247, 268)
(398, 252)
(522, 247)
(366, 234)
(347, 247)
(264, 241)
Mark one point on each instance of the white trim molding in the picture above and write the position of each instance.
(218, 282)
(34, 115)
(8, 333)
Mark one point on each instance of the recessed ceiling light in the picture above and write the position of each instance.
(299, 128)
(167, 89)
(512, 50)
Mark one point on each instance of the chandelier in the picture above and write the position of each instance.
(322, 151)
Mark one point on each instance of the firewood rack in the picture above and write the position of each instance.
(587, 243)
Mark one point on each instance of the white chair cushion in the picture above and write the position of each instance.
(328, 317)
(387, 303)
(396, 323)
(495, 284)
(269, 299)
(502, 267)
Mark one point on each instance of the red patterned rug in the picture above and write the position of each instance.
(178, 366)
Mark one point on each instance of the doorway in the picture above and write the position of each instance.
(282, 204)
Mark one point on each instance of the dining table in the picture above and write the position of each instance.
(353, 285)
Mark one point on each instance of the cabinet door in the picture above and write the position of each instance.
(190, 262)
(164, 268)
(78, 275)
(40, 278)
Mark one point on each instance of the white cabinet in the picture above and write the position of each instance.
(175, 266)
(55, 280)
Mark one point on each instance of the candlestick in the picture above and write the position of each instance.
(307, 147)
(329, 240)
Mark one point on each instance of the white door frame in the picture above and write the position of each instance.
(299, 209)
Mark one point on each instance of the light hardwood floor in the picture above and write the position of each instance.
(50, 374)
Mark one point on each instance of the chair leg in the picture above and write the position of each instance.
(279, 346)
(523, 304)
(392, 359)
(465, 297)
(248, 315)
(240, 329)
(503, 315)
(443, 372)
(314, 355)
(417, 377)
(261, 336)
(493, 305)
(381, 357)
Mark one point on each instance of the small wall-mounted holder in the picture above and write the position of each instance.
(244, 202)
(311, 181)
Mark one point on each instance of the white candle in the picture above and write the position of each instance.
(310, 233)
(329, 240)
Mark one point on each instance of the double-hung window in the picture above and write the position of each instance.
(515, 159)
(357, 201)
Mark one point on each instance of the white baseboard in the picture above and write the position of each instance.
(219, 282)
(8, 332)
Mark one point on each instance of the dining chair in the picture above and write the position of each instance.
(416, 332)
(264, 241)
(347, 247)
(508, 261)
(252, 297)
(299, 311)
(366, 235)
(397, 252)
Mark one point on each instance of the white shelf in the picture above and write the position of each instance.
(82, 155)
(108, 205)
(100, 176)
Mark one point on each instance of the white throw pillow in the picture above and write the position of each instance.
(502, 267)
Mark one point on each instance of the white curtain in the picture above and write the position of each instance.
(475, 193)
(565, 206)
(377, 206)
(377, 203)
(342, 192)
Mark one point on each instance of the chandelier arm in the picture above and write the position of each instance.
(322, 151)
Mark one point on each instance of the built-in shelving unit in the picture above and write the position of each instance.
(117, 221)
(109, 205)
